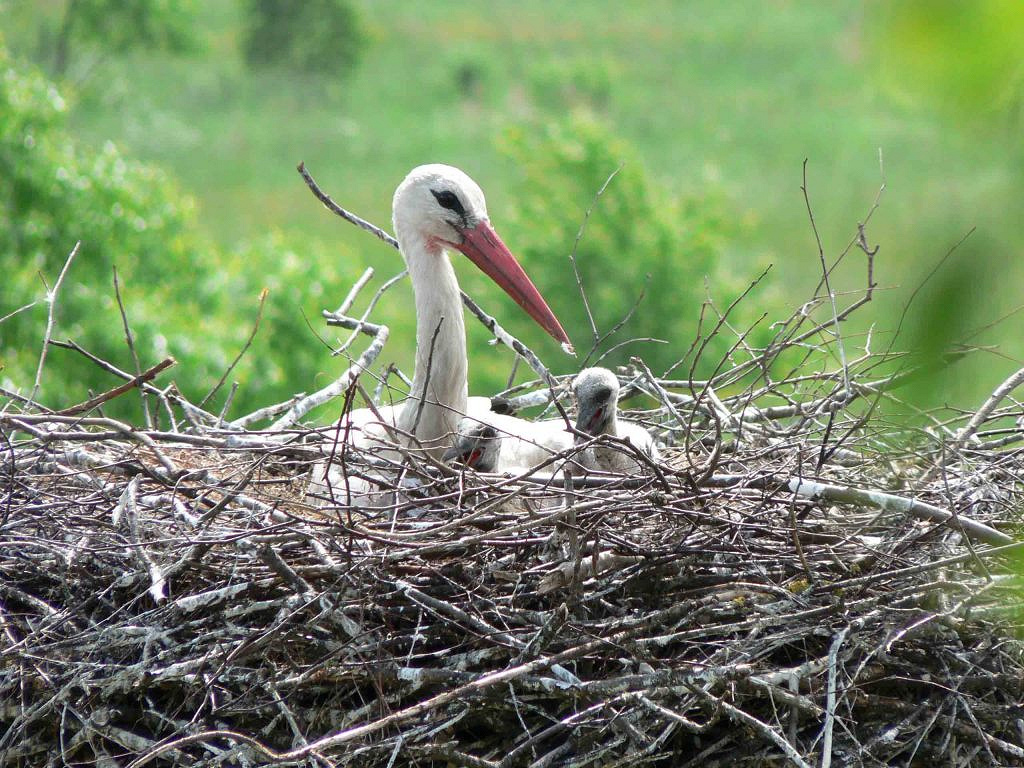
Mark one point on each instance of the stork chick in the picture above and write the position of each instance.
(476, 446)
(597, 394)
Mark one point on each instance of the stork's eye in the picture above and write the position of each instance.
(604, 393)
(448, 199)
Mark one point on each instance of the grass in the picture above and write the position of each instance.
(726, 97)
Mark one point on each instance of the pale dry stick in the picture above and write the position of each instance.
(738, 715)
(997, 396)
(674, 717)
(334, 208)
(830, 697)
(18, 311)
(342, 383)
(341, 319)
(158, 582)
(262, 414)
(227, 405)
(512, 342)
(289, 717)
(887, 502)
(51, 299)
(357, 286)
(130, 341)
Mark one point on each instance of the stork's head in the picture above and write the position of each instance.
(436, 203)
(476, 446)
(438, 207)
(597, 392)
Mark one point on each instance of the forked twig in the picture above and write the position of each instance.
(51, 299)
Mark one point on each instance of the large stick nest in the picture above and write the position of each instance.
(796, 582)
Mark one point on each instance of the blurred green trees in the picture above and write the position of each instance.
(965, 57)
(316, 36)
(188, 298)
(638, 241)
(119, 26)
(183, 296)
(962, 62)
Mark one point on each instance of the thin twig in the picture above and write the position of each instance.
(241, 352)
(51, 300)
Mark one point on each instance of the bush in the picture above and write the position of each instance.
(313, 36)
(586, 82)
(638, 238)
(119, 26)
(183, 296)
(53, 193)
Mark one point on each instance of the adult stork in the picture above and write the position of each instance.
(597, 394)
(438, 208)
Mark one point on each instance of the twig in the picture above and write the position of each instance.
(242, 351)
(830, 698)
(51, 299)
(340, 384)
(887, 502)
(130, 341)
(979, 417)
(575, 246)
(739, 716)
(19, 310)
(110, 394)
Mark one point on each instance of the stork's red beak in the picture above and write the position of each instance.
(485, 249)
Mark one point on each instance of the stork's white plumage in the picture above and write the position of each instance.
(437, 208)
(495, 442)
(526, 444)
(597, 394)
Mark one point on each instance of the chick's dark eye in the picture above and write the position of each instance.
(604, 393)
(448, 199)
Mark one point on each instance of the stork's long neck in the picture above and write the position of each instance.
(438, 396)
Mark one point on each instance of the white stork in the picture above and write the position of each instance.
(435, 209)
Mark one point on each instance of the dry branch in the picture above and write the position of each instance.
(771, 592)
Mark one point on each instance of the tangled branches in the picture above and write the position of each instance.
(797, 582)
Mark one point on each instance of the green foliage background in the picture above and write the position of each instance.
(178, 169)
